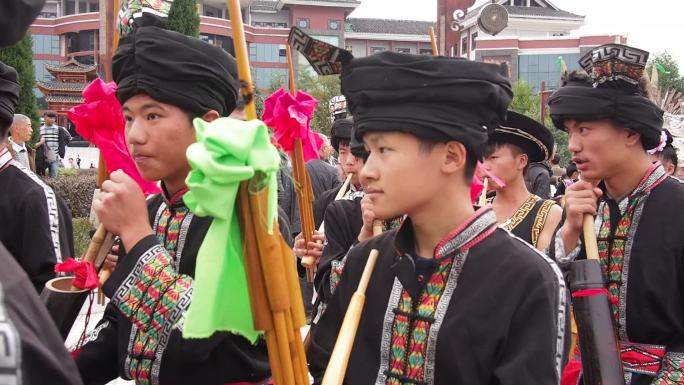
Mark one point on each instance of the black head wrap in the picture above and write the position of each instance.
(357, 148)
(175, 69)
(435, 98)
(528, 134)
(9, 96)
(340, 131)
(15, 18)
(613, 93)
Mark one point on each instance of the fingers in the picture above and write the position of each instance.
(111, 260)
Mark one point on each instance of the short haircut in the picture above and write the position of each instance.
(50, 114)
(20, 117)
(426, 146)
(669, 154)
(494, 145)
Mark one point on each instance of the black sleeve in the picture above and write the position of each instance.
(39, 248)
(66, 229)
(43, 355)
(325, 333)
(98, 360)
(339, 239)
(531, 355)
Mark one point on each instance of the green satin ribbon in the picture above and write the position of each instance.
(227, 152)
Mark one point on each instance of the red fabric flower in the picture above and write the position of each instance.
(85, 276)
(99, 120)
(290, 117)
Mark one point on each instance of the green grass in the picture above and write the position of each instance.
(82, 229)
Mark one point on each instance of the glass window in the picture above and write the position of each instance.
(403, 50)
(464, 45)
(376, 49)
(333, 25)
(426, 51)
(537, 68)
(473, 36)
(69, 7)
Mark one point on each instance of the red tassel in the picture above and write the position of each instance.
(85, 276)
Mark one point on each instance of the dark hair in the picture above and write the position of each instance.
(669, 154)
(494, 145)
(426, 146)
(570, 169)
(574, 76)
(50, 114)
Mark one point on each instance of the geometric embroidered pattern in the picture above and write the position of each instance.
(154, 297)
(326, 59)
(641, 358)
(521, 213)
(672, 371)
(540, 220)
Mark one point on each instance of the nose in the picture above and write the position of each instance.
(369, 172)
(574, 143)
(135, 132)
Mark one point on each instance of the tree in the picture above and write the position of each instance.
(668, 72)
(323, 88)
(20, 56)
(183, 17)
(526, 102)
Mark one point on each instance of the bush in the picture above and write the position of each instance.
(77, 191)
(82, 230)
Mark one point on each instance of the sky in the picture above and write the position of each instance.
(653, 25)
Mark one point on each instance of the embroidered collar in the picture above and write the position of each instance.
(176, 200)
(654, 176)
(476, 228)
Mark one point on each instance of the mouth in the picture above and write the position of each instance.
(141, 158)
(372, 191)
(582, 164)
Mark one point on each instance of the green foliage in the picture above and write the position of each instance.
(526, 102)
(183, 17)
(323, 88)
(20, 56)
(82, 228)
(671, 77)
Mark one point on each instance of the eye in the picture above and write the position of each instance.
(152, 116)
(128, 118)
(382, 150)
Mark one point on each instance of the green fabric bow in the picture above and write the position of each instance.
(227, 152)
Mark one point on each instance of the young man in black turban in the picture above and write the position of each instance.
(516, 143)
(165, 79)
(611, 124)
(453, 298)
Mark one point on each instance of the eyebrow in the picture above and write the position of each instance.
(145, 106)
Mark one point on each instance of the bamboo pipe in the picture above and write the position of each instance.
(590, 244)
(483, 196)
(433, 40)
(337, 365)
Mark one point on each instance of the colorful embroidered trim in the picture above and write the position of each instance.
(641, 358)
(154, 297)
(169, 226)
(672, 370)
(521, 213)
(412, 327)
(540, 220)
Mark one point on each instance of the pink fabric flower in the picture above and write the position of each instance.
(99, 120)
(290, 117)
(477, 185)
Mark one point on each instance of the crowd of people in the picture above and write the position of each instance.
(470, 287)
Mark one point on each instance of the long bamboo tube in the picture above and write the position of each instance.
(483, 196)
(433, 41)
(337, 365)
(590, 244)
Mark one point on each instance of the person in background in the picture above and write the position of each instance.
(20, 134)
(665, 153)
(49, 143)
(571, 176)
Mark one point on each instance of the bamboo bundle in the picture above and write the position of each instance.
(275, 298)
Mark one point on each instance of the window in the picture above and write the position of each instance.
(333, 25)
(473, 36)
(403, 50)
(268, 24)
(425, 51)
(282, 52)
(464, 45)
(303, 23)
(376, 49)
(81, 41)
(46, 44)
(87, 59)
(537, 68)
(267, 53)
(69, 7)
(212, 11)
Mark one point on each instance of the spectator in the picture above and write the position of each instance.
(20, 132)
(49, 143)
(78, 161)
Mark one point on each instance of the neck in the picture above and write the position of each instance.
(514, 192)
(437, 220)
(174, 185)
(628, 176)
(17, 141)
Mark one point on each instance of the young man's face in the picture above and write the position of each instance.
(598, 147)
(506, 164)
(399, 177)
(350, 163)
(158, 134)
(49, 120)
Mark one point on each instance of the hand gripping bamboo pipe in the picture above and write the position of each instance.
(337, 365)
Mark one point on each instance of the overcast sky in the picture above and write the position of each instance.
(658, 28)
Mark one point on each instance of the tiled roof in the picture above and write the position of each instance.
(61, 86)
(64, 99)
(71, 66)
(406, 27)
(530, 11)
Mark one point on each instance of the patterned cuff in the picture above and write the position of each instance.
(561, 256)
(336, 270)
(671, 371)
(154, 295)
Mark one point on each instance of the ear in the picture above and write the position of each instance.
(632, 138)
(523, 160)
(210, 116)
(456, 157)
(670, 168)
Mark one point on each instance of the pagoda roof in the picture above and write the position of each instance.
(71, 66)
(61, 86)
(64, 99)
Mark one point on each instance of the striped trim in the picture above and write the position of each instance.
(50, 201)
(526, 136)
(10, 343)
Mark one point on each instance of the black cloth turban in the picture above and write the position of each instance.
(175, 69)
(9, 95)
(435, 98)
